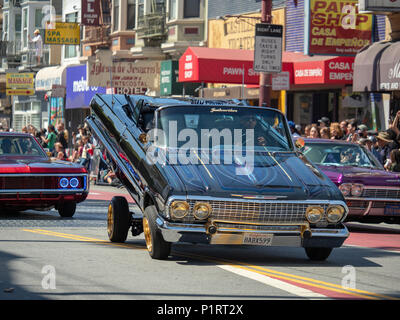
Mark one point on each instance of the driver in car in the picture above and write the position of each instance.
(250, 122)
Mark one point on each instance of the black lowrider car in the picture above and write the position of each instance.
(206, 172)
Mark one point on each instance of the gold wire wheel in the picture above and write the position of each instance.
(110, 220)
(147, 234)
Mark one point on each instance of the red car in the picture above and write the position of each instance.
(29, 179)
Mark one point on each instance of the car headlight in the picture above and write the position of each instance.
(314, 214)
(334, 213)
(201, 210)
(357, 190)
(345, 188)
(179, 209)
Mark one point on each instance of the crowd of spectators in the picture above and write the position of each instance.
(384, 145)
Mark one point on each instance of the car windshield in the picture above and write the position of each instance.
(20, 146)
(340, 155)
(213, 127)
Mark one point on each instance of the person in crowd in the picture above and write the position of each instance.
(85, 157)
(62, 135)
(59, 152)
(74, 157)
(352, 135)
(293, 130)
(336, 131)
(324, 133)
(394, 164)
(384, 147)
(343, 127)
(324, 122)
(363, 131)
(51, 137)
(313, 132)
(307, 129)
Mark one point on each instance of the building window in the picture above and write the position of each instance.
(172, 14)
(25, 28)
(158, 6)
(5, 27)
(140, 12)
(71, 51)
(18, 26)
(116, 15)
(131, 17)
(191, 9)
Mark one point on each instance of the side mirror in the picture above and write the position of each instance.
(300, 143)
(144, 138)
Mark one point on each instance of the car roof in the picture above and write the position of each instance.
(20, 134)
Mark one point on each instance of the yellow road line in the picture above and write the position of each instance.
(237, 264)
(298, 279)
(81, 238)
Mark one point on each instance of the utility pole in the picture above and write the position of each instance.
(265, 78)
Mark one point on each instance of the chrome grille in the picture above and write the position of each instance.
(381, 193)
(256, 212)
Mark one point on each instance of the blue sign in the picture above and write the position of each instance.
(78, 93)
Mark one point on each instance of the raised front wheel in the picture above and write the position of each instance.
(118, 219)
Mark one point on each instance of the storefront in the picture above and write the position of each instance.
(321, 87)
(53, 105)
(377, 69)
(78, 97)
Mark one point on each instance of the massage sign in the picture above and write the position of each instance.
(337, 28)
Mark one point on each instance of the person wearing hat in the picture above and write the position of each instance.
(293, 130)
(324, 122)
(384, 142)
(38, 42)
(363, 131)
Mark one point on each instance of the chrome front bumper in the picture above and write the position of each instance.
(227, 233)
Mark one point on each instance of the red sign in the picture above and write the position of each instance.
(338, 70)
(217, 66)
(336, 27)
(90, 12)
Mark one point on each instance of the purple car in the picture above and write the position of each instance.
(372, 194)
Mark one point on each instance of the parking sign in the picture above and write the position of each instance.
(268, 48)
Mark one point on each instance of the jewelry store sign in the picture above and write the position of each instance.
(268, 48)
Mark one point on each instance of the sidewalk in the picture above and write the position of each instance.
(104, 192)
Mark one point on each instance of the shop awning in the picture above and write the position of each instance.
(377, 68)
(46, 77)
(323, 70)
(212, 65)
(215, 65)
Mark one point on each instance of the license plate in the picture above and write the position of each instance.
(258, 239)
(392, 210)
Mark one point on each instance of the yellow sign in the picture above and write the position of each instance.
(64, 33)
(19, 80)
(20, 92)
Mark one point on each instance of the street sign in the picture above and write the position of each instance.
(268, 48)
(20, 92)
(280, 81)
